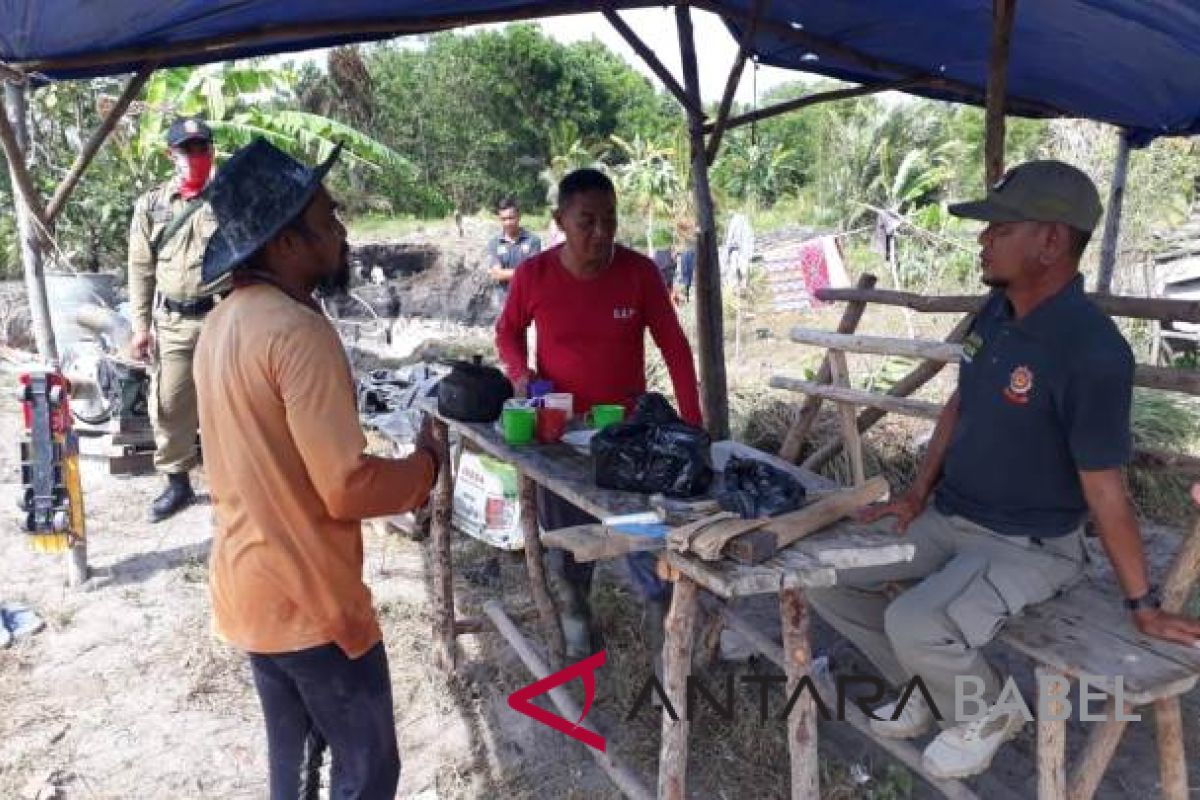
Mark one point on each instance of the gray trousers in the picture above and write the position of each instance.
(968, 581)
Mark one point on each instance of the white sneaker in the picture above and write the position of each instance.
(914, 718)
(967, 749)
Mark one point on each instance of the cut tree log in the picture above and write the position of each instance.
(790, 528)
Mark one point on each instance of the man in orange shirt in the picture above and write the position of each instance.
(290, 481)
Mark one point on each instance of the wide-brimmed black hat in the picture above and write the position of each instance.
(259, 190)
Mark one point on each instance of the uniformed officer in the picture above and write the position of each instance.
(171, 227)
(507, 250)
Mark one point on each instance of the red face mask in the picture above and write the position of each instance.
(193, 170)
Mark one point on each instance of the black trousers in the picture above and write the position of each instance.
(317, 697)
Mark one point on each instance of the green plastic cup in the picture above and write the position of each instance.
(518, 424)
(601, 416)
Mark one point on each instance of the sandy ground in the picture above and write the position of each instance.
(126, 694)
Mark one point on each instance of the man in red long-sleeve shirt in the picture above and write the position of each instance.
(592, 302)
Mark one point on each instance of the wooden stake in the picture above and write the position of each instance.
(1112, 216)
(439, 555)
(1051, 743)
(850, 436)
(802, 721)
(1097, 753)
(622, 776)
(535, 565)
(677, 662)
(710, 324)
(1003, 12)
(798, 432)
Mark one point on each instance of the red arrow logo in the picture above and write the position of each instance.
(585, 670)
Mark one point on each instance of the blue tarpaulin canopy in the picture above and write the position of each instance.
(1131, 63)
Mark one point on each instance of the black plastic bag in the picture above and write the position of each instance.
(654, 451)
(752, 489)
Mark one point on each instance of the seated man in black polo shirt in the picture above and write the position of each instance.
(1034, 437)
(506, 251)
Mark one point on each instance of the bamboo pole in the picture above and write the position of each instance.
(792, 442)
(652, 61)
(677, 660)
(710, 323)
(1112, 216)
(535, 565)
(97, 140)
(717, 129)
(622, 776)
(439, 554)
(1162, 309)
(1003, 12)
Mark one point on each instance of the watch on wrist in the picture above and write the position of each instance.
(1148, 600)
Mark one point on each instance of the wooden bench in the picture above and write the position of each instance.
(1086, 631)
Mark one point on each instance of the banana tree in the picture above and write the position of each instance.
(647, 179)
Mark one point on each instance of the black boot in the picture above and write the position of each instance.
(575, 615)
(177, 496)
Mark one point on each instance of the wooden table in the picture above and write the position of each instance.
(813, 561)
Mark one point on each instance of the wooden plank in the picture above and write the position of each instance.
(1051, 740)
(879, 345)
(597, 542)
(798, 430)
(802, 721)
(677, 661)
(443, 571)
(535, 566)
(1162, 309)
(622, 776)
(852, 441)
(1074, 647)
(899, 405)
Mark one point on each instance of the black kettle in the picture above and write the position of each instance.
(473, 391)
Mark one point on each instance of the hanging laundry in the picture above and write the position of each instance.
(796, 271)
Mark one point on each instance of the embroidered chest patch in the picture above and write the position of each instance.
(1020, 386)
(970, 347)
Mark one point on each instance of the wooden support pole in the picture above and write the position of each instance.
(14, 139)
(97, 140)
(1051, 739)
(922, 374)
(677, 662)
(690, 104)
(802, 721)
(798, 432)
(535, 565)
(816, 98)
(850, 436)
(439, 554)
(1172, 762)
(622, 776)
(718, 128)
(710, 322)
(1097, 753)
(1003, 12)
(840, 394)
(1112, 216)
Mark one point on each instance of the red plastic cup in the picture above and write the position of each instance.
(551, 424)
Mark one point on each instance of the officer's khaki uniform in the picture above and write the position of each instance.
(173, 274)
